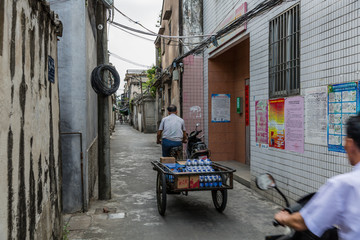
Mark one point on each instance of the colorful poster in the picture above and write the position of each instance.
(316, 115)
(276, 123)
(294, 124)
(342, 104)
(220, 107)
(261, 123)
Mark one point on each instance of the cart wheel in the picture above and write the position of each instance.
(220, 199)
(161, 193)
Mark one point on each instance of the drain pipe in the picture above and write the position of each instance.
(81, 166)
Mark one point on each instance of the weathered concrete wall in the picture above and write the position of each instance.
(171, 49)
(192, 16)
(91, 170)
(149, 114)
(78, 101)
(30, 177)
(185, 19)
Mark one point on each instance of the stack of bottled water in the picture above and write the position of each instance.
(204, 166)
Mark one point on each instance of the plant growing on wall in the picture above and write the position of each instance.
(151, 75)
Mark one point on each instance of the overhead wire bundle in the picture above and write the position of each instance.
(262, 7)
(210, 38)
(98, 82)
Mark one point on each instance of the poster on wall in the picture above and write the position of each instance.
(294, 124)
(342, 104)
(261, 123)
(276, 123)
(220, 107)
(316, 115)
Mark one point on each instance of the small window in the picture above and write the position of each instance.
(284, 54)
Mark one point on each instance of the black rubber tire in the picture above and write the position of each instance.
(161, 193)
(220, 199)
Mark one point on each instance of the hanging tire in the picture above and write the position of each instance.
(220, 199)
(161, 193)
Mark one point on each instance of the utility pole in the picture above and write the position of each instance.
(104, 177)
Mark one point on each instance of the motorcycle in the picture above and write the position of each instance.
(266, 182)
(196, 148)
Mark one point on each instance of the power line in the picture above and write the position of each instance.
(154, 34)
(259, 9)
(136, 22)
(148, 39)
(152, 40)
(226, 15)
(127, 60)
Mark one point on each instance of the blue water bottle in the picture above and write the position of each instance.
(201, 179)
(220, 180)
(206, 181)
(188, 162)
(215, 180)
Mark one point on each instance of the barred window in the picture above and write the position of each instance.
(284, 54)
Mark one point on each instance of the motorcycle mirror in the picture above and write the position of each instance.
(265, 181)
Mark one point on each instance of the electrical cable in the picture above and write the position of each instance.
(261, 8)
(136, 22)
(98, 83)
(148, 39)
(226, 15)
(128, 61)
(154, 34)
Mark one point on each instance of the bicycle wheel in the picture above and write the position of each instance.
(161, 193)
(219, 199)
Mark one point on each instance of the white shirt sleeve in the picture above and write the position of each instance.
(161, 126)
(324, 209)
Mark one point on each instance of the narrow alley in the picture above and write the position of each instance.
(133, 211)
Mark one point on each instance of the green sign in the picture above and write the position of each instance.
(239, 105)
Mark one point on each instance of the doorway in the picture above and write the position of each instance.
(229, 73)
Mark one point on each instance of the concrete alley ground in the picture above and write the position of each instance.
(133, 211)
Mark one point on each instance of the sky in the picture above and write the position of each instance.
(128, 46)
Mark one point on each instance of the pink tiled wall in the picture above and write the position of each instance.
(193, 92)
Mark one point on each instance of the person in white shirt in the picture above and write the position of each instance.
(337, 203)
(172, 132)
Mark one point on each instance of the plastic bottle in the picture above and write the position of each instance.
(211, 183)
(215, 180)
(188, 162)
(201, 162)
(206, 181)
(220, 180)
(201, 179)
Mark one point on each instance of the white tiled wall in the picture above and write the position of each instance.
(330, 54)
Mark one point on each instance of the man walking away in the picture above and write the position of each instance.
(171, 131)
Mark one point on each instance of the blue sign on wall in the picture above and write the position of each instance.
(342, 104)
(51, 69)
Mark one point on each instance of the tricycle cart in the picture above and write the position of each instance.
(171, 182)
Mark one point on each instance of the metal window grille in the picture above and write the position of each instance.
(284, 54)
